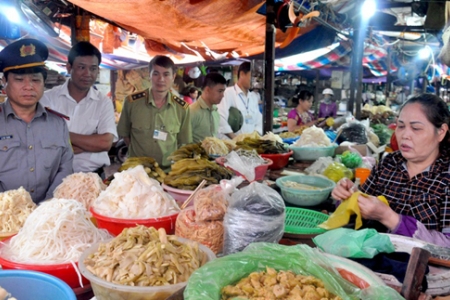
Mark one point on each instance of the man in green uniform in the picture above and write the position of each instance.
(204, 115)
(154, 122)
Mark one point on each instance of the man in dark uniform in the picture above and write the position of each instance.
(155, 123)
(35, 151)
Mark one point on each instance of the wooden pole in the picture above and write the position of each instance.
(269, 62)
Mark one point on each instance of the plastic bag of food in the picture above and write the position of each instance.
(319, 165)
(207, 282)
(209, 233)
(244, 162)
(210, 203)
(351, 159)
(256, 213)
(336, 171)
(346, 242)
(353, 132)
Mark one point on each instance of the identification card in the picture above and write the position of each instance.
(160, 135)
(248, 119)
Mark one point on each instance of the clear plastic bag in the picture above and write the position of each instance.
(244, 162)
(256, 214)
(319, 165)
(206, 282)
(210, 203)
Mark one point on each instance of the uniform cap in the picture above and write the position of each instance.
(328, 91)
(25, 53)
(235, 119)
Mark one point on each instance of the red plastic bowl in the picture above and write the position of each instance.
(65, 272)
(116, 225)
(260, 171)
(279, 160)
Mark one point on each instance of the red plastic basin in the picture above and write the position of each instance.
(260, 171)
(279, 160)
(65, 272)
(116, 225)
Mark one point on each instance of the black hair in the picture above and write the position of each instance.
(436, 111)
(212, 79)
(302, 96)
(31, 70)
(244, 67)
(83, 49)
(189, 89)
(162, 61)
(179, 82)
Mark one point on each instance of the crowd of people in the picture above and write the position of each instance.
(46, 136)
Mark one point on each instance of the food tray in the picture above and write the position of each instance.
(303, 221)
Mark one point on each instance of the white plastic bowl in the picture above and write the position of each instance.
(104, 290)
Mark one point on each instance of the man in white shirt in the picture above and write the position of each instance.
(246, 102)
(91, 115)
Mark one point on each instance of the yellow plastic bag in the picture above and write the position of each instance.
(347, 208)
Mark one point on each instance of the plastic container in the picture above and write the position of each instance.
(260, 171)
(312, 153)
(116, 225)
(65, 272)
(23, 284)
(104, 290)
(179, 195)
(303, 221)
(305, 197)
(362, 174)
(279, 160)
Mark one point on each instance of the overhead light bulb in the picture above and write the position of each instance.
(424, 53)
(12, 14)
(368, 8)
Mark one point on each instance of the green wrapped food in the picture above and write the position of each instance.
(351, 159)
(336, 171)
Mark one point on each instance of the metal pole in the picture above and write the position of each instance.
(388, 77)
(269, 58)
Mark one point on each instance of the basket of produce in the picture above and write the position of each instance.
(153, 265)
(51, 241)
(303, 221)
(303, 190)
(279, 160)
(24, 284)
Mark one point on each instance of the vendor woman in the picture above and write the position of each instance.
(300, 115)
(415, 179)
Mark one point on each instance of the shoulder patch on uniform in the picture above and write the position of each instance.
(137, 96)
(180, 102)
(48, 109)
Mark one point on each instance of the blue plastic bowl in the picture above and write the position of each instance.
(23, 284)
(305, 197)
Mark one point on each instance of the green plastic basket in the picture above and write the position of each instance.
(303, 221)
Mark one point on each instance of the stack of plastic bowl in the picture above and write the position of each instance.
(280, 160)
(104, 290)
(304, 197)
(22, 284)
(312, 153)
(116, 225)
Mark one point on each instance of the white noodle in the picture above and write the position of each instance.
(57, 231)
(83, 187)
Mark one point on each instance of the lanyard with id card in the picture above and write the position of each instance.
(160, 134)
(248, 117)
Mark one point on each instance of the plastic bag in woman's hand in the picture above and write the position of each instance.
(256, 213)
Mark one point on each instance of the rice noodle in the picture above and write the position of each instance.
(83, 187)
(15, 207)
(57, 231)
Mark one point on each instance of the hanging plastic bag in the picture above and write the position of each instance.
(347, 242)
(206, 282)
(256, 213)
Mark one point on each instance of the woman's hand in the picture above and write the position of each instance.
(343, 189)
(373, 209)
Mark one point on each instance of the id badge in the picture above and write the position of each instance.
(160, 135)
(248, 119)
